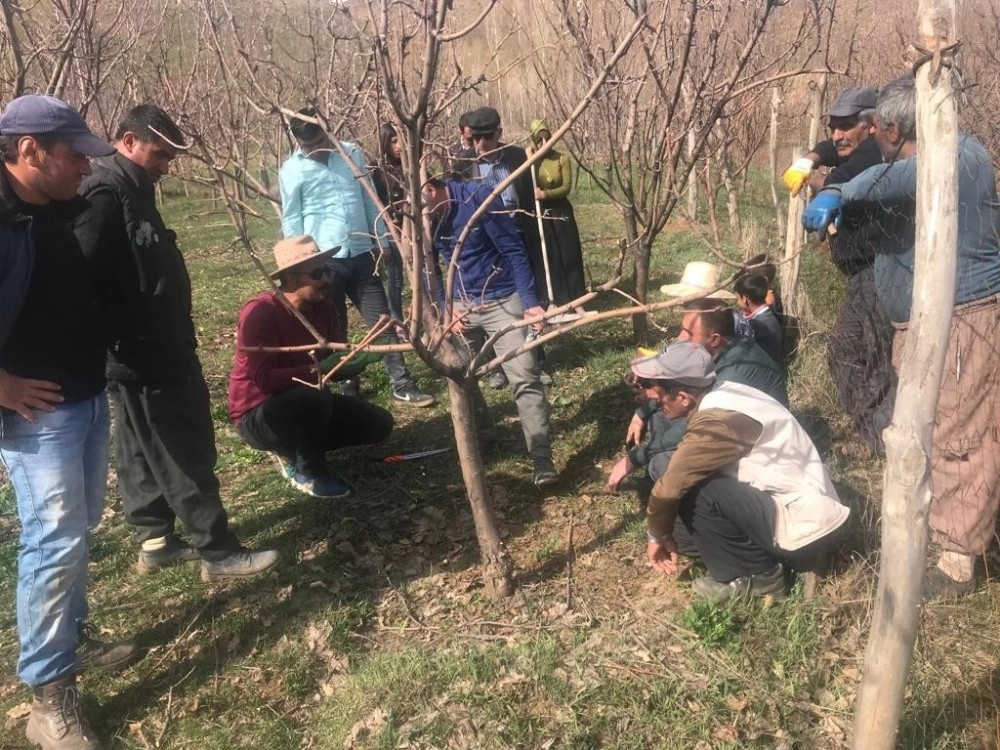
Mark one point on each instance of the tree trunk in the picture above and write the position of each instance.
(640, 274)
(498, 567)
(907, 491)
(772, 151)
(791, 295)
(819, 95)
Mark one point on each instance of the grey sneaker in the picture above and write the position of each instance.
(545, 472)
(351, 387)
(409, 394)
(771, 582)
(243, 563)
(177, 552)
(110, 657)
(55, 722)
(544, 378)
(498, 380)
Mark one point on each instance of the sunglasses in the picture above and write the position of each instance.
(318, 273)
(482, 136)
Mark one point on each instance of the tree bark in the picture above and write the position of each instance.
(794, 239)
(907, 488)
(498, 567)
(640, 275)
(772, 152)
(819, 95)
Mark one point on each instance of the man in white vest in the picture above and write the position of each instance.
(746, 482)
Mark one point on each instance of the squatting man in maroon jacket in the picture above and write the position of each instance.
(270, 404)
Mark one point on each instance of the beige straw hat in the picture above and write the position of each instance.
(292, 251)
(698, 278)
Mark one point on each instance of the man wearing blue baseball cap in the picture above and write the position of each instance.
(53, 409)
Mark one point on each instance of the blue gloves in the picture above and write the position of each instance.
(822, 211)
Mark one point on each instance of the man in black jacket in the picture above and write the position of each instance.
(859, 347)
(164, 438)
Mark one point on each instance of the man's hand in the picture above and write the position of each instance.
(539, 194)
(621, 470)
(458, 321)
(797, 174)
(23, 394)
(633, 436)
(822, 211)
(534, 312)
(352, 369)
(663, 555)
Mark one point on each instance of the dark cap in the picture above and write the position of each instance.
(683, 362)
(34, 114)
(852, 101)
(484, 120)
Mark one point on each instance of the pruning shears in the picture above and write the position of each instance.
(399, 458)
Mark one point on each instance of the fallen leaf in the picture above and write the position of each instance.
(367, 727)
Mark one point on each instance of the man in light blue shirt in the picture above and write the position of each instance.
(323, 196)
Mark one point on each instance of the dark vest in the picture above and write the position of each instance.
(152, 334)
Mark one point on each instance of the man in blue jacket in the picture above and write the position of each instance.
(323, 196)
(53, 410)
(494, 288)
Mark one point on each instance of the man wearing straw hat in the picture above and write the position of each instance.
(270, 402)
(164, 437)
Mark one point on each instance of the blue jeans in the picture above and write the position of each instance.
(59, 469)
(355, 277)
(394, 273)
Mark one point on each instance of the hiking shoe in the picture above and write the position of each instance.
(329, 487)
(771, 582)
(286, 466)
(351, 387)
(240, 564)
(498, 380)
(176, 552)
(409, 394)
(544, 378)
(55, 722)
(940, 585)
(102, 656)
(545, 472)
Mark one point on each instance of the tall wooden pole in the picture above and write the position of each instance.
(907, 486)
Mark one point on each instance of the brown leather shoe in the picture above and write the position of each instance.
(103, 656)
(55, 722)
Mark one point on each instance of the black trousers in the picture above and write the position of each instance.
(165, 455)
(301, 424)
(730, 526)
(859, 353)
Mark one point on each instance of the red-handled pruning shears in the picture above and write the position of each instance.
(398, 459)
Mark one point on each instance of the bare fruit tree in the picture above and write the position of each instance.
(693, 66)
(907, 485)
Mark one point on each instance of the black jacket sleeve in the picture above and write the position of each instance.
(100, 230)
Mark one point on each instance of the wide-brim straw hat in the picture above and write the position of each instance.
(293, 251)
(698, 278)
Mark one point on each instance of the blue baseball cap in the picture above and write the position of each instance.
(35, 114)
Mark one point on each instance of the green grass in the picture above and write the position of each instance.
(374, 631)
